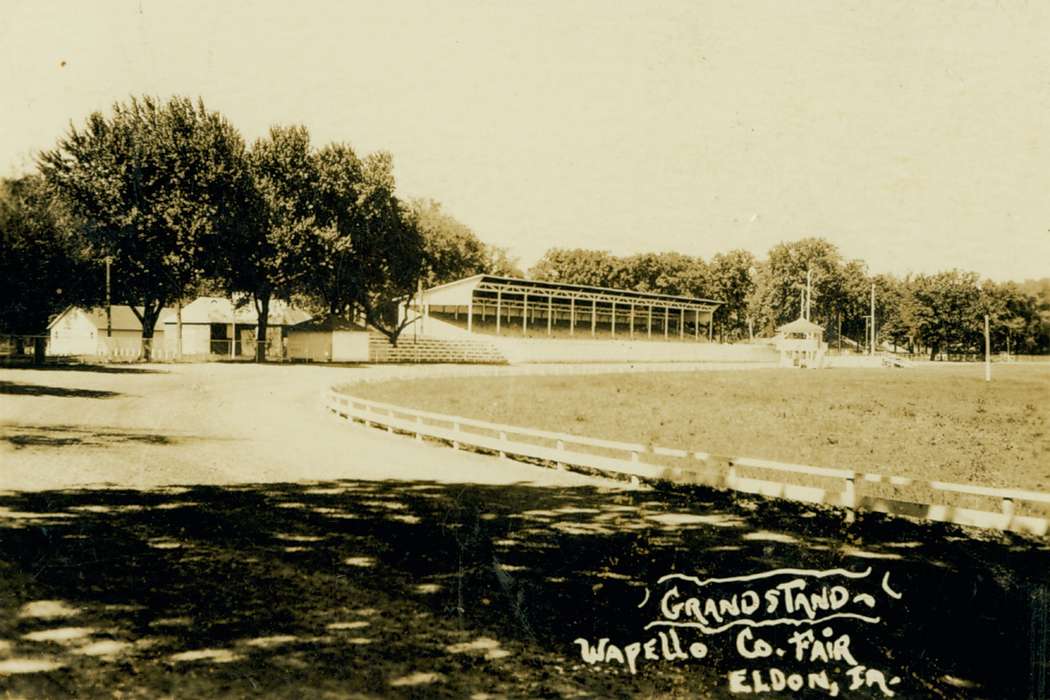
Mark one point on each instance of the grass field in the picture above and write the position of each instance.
(942, 423)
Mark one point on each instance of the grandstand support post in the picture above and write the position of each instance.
(470, 315)
(613, 328)
(550, 313)
(499, 303)
(572, 315)
(631, 322)
(667, 320)
(649, 326)
(681, 324)
(525, 315)
(696, 325)
(594, 317)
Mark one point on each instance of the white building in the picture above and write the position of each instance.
(330, 339)
(81, 331)
(216, 326)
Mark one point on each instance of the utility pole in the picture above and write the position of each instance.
(872, 318)
(809, 290)
(987, 352)
(109, 304)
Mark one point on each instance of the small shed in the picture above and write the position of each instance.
(328, 339)
(801, 344)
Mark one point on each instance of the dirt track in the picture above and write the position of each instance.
(143, 426)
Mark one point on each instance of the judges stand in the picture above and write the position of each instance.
(801, 344)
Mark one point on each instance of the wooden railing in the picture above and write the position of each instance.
(833, 487)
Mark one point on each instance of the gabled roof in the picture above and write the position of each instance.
(222, 310)
(122, 317)
(800, 325)
(328, 323)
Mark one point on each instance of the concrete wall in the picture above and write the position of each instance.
(433, 350)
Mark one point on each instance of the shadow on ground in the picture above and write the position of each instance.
(404, 589)
(21, 435)
(16, 389)
(85, 367)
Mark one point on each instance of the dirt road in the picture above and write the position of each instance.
(149, 425)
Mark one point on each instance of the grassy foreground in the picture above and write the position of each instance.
(944, 423)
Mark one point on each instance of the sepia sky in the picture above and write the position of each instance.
(915, 136)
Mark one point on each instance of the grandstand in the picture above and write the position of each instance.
(535, 321)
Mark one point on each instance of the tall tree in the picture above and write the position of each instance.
(945, 311)
(340, 185)
(597, 268)
(43, 262)
(782, 280)
(453, 251)
(661, 273)
(156, 184)
(732, 282)
(389, 250)
(269, 258)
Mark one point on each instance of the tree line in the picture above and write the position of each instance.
(172, 197)
(924, 313)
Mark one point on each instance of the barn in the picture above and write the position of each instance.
(87, 332)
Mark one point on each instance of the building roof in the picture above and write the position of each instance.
(122, 317)
(800, 325)
(461, 292)
(222, 310)
(328, 323)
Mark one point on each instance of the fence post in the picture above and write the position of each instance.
(1008, 509)
(561, 448)
(849, 499)
(455, 427)
(419, 434)
(503, 440)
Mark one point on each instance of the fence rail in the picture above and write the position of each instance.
(996, 508)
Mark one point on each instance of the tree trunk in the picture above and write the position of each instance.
(262, 307)
(148, 319)
(38, 351)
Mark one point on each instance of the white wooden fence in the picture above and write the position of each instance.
(998, 508)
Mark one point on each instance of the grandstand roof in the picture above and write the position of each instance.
(462, 292)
